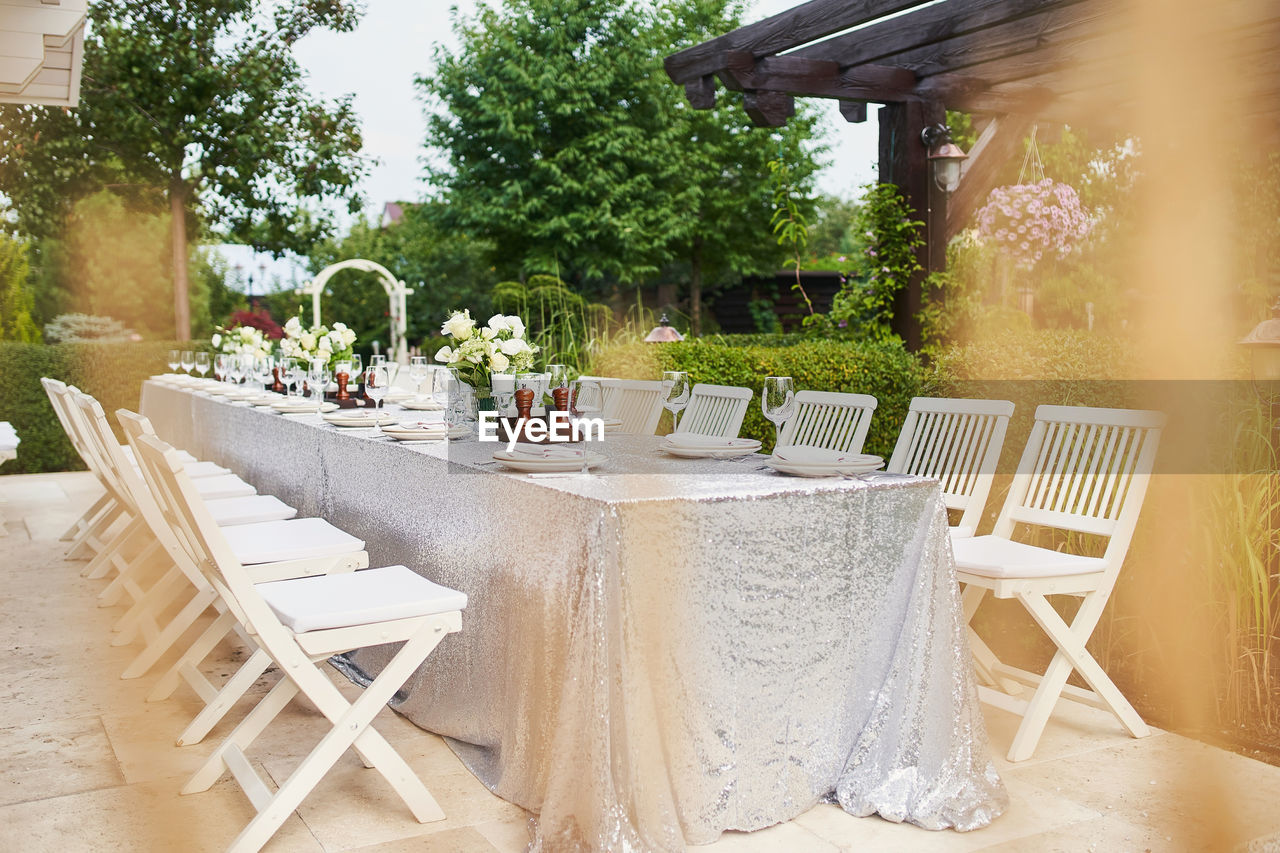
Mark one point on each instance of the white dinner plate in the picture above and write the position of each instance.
(421, 405)
(412, 432)
(359, 419)
(528, 464)
(821, 470)
(290, 408)
(730, 449)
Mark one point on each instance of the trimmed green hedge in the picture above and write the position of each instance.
(111, 372)
(885, 370)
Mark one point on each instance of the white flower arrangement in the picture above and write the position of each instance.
(477, 354)
(319, 343)
(242, 340)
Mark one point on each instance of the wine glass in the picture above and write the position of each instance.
(441, 377)
(419, 370)
(375, 383)
(202, 363)
(262, 370)
(675, 393)
(778, 402)
(557, 376)
(237, 368)
(530, 382)
(187, 361)
(357, 373)
(503, 388)
(318, 376)
(175, 359)
(292, 369)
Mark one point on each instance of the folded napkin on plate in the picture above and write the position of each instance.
(423, 426)
(539, 452)
(693, 440)
(822, 456)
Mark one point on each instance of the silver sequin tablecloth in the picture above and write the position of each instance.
(662, 651)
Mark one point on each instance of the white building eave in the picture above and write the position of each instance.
(41, 50)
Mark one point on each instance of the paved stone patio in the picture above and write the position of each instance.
(89, 765)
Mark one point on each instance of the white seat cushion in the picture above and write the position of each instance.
(961, 531)
(997, 557)
(204, 469)
(357, 598)
(223, 486)
(296, 539)
(248, 510)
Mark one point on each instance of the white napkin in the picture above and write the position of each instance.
(696, 441)
(418, 426)
(801, 455)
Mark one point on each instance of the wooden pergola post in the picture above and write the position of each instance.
(904, 162)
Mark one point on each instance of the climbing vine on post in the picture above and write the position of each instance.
(887, 264)
(789, 224)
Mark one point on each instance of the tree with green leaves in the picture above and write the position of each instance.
(568, 147)
(15, 300)
(197, 107)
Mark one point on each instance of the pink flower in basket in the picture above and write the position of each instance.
(1028, 220)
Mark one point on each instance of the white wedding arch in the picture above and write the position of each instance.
(397, 348)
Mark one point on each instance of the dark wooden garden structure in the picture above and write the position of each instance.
(1009, 63)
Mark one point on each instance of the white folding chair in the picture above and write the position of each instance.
(271, 544)
(829, 419)
(635, 402)
(715, 410)
(1083, 470)
(85, 534)
(300, 623)
(958, 443)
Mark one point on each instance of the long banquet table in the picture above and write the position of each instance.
(663, 650)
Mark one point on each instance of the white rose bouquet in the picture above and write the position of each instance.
(319, 343)
(242, 340)
(478, 353)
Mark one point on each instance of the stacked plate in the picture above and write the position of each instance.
(297, 407)
(539, 459)
(691, 445)
(423, 404)
(820, 462)
(359, 418)
(418, 431)
(395, 395)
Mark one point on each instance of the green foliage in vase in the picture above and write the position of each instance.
(215, 126)
(566, 146)
(559, 321)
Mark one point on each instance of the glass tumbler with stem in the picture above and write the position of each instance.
(202, 363)
(557, 376)
(318, 375)
(675, 394)
(292, 370)
(175, 359)
(237, 368)
(187, 361)
(419, 370)
(778, 403)
(376, 383)
(262, 370)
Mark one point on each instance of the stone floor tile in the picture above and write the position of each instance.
(507, 836)
(1073, 729)
(464, 839)
(783, 838)
(55, 758)
(1100, 835)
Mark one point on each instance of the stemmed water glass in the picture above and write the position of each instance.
(236, 367)
(778, 402)
(202, 363)
(675, 393)
(557, 376)
(419, 370)
(187, 361)
(292, 369)
(375, 383)
(175, 359)
(318, 376)
(221, 364)
(262, 370)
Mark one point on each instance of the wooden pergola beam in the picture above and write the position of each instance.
(805, 23)
(796, 76)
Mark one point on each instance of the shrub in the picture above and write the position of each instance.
(112, 372)
(883, 369)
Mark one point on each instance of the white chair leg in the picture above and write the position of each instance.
(199, 650)
(152, 603)
(131, 571)
(163, 641)
(86, 518)
(236, 687)
(104, 560)
(243, 735)
(90, 541)
(1071, 645)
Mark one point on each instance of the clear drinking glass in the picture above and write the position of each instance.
(778, 402)
(441, 384)
(557, 376)
(202, 363)
(292, 369)
(530, 382)
(357, 370)
(187, 361)
(175, 359)
(675, 393)
(376, 383)
(419, 371)
(262, 370)
(236, 366)
(318, 376)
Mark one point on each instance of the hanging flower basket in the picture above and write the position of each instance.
(1027, 221)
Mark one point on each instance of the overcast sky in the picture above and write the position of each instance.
(394, 43)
